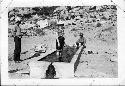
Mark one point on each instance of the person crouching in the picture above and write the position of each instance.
(81, 41)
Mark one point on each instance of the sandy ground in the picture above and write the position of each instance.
(94, 65)
(26, 45)
(102, 62)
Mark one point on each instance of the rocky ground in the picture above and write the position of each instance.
(99, 59)
(101, 63)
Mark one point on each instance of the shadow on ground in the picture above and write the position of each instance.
(67, 55)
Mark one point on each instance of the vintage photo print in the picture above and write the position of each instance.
(49, 42)
(53, 42)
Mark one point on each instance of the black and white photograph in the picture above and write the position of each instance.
(62, 42)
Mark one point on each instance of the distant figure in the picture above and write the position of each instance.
(81, 41)
(17, 40)
(60, 41)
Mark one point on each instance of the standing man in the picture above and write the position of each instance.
(60, 41)
(81, 41)
(17, 40)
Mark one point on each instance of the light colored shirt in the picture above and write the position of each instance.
(17, 31)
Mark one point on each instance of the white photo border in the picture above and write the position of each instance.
(82, 81)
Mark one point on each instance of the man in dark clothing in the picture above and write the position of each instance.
(60, 41)
(17, 40)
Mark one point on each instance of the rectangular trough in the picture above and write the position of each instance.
(64, 69)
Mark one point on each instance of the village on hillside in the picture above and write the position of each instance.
(39, 28)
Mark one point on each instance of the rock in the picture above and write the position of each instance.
(41, 47)
(98, 25)
(50, 72)
(114, 59)
(90, 52)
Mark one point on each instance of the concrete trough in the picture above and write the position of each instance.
(63, 69)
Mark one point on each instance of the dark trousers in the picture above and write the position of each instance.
(17, 50)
